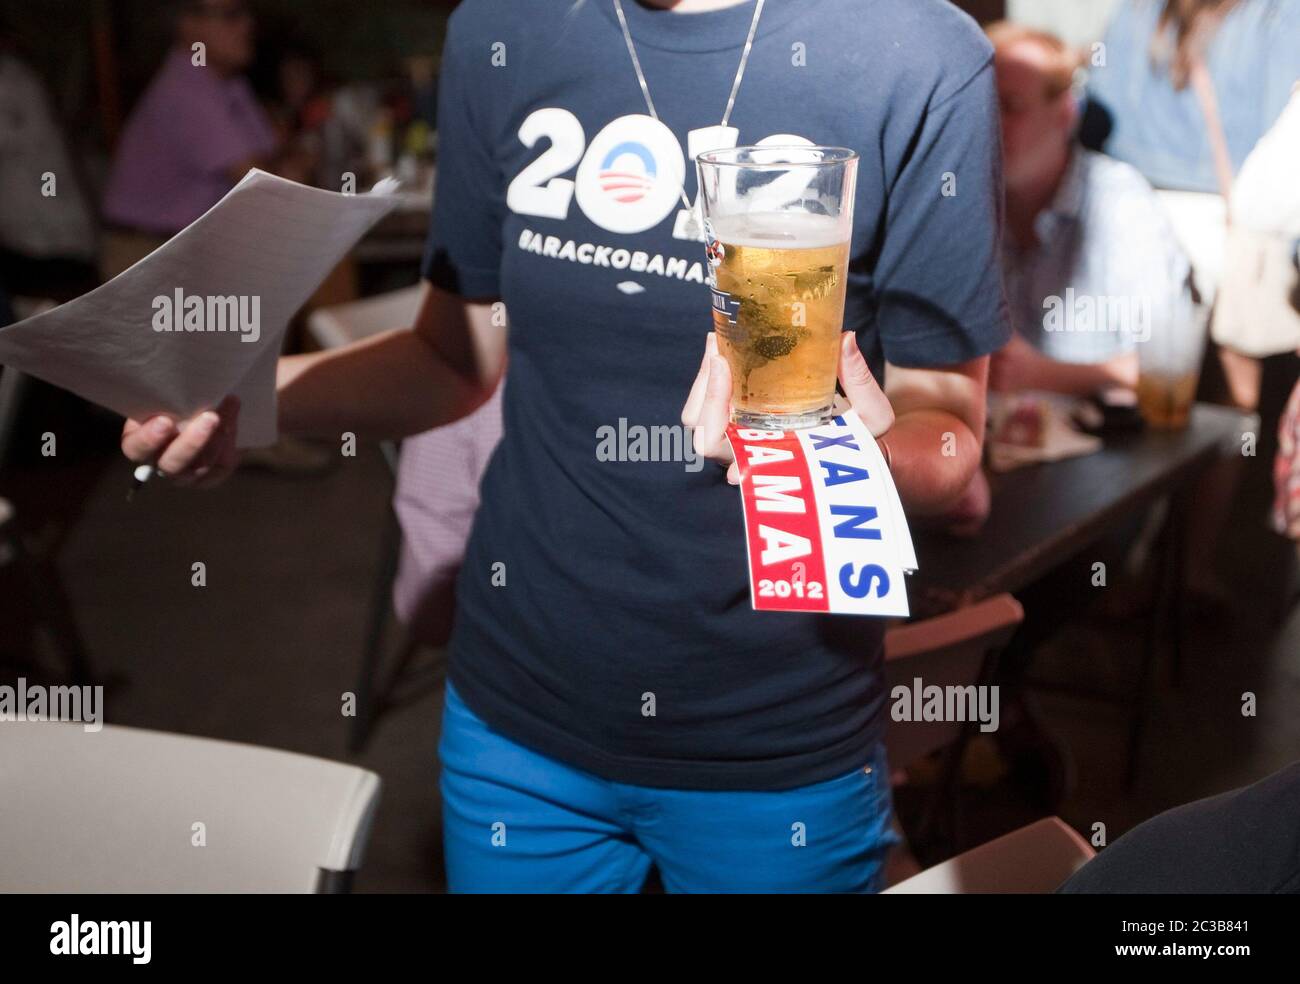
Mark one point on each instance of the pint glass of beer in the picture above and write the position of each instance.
(777, 224)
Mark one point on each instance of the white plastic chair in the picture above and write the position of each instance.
(340, 324)
(951, 650)
(1034, 859)
(947, 650)
(118, 811)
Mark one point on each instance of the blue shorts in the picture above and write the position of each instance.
(517, 821)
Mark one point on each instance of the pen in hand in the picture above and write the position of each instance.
(197, 452)
(141, 475)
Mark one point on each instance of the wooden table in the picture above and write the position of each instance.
(1044, 514)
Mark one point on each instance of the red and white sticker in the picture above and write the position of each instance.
(824, 526)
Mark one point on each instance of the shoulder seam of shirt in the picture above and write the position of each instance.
(988, 61)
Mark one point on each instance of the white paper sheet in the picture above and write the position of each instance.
(269, 239)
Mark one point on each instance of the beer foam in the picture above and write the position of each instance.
(792, 230)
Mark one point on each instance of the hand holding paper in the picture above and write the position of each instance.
(204, 316)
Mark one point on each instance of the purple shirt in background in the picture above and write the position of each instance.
(188, 129)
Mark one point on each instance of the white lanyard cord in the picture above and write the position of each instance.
(735, 85)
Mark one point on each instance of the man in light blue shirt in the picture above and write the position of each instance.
(1091, 263)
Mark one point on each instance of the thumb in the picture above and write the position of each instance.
(864, 393)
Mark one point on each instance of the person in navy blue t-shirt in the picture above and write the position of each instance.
(613, 700)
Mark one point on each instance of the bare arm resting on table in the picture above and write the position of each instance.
(395, 384)
(1020, 366)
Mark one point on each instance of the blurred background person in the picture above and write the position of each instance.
(47, 232)
(193, 135)
(1190, 88)
(435, 499)
(1080, 227)
(1250, 51)
(1196, 849)
(195, 132)
(298, 102)
(1286, 465)
(1077, 24)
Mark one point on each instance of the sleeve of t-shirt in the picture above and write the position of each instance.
(463, 251)
(939, 292)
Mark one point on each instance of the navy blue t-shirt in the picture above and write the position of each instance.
(603, 608)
